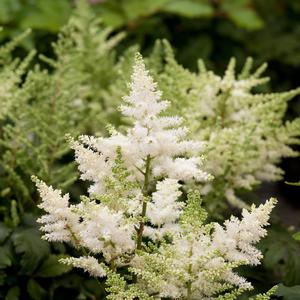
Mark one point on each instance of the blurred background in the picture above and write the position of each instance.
(214, 30)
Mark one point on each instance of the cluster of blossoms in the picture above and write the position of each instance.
(138, 216)
(244, 128)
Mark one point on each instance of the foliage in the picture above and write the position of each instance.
(44, 17)
(47, 105)
(120, 13)
(39, 273)
(38, 108)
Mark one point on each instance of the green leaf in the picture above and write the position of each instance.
(3, 276)
(45, 15)
(112, 14)
(288, 293)
(28, 243)
(281, 255)
(242, 14)
(246, 18)
(35, 291)
(5, 257)
(51, 267)
(189, 8)
(296, 236)
(136, 8)
(13, 293)
(4, 232)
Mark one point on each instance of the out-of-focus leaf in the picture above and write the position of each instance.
(293, 183)
(45, 15)
(288, 293)
(35, 291)
(246, 18)
(136, 8)
(8, 10)
(4, 232)
(28, 243)
(112, 14)
(51, 267)
(13, 293)
(296, 236)
(281, 255)
(189, 8)
(5, 257)
(2, 278)
(242, 14)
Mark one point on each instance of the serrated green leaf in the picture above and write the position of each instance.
(35, 291)
(281, 254)
(13, 293)
(28, 243)
(288, 293)
(189, 9)
(51, 267)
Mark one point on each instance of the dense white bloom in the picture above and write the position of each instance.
(205, 261)
(60, 223)
(164, 209)
(245, 130)
(236, 240)
(102, 230)
(152, 135)
(87, 263)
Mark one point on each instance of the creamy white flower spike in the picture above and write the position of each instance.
(60, 223)
(88, 263)
(236, 240)
(152, 135)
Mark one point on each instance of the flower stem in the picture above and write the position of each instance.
(144, 208)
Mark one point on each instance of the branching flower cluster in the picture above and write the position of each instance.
(244, 129)
(138, 229)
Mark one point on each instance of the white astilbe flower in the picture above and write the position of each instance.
(60, 223)
(201, 264)
(102, 230)
(87, 224)
(152, 136)
(236, 240)
(164, 209)
(87, 263)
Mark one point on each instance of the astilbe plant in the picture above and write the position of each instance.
(245, 129)
(41, 107)
(139, 229)
(11, 72)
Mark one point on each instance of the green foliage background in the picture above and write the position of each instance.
(213, 30)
